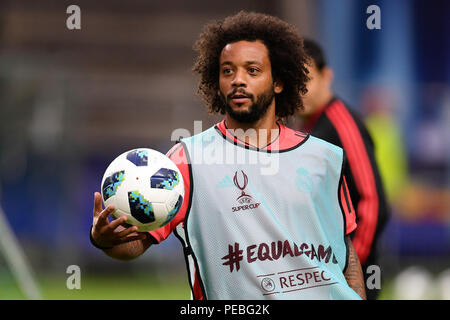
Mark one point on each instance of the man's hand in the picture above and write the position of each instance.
(108, 234)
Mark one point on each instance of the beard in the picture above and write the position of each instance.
(256, 110)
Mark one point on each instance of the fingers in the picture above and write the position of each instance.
(119, 221)
(98, 211)
(97, 204)
(105, 213)
(132, 237)
(111, 233)
(127, 231)
(108, 234)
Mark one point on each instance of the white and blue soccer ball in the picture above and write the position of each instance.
(146, 186)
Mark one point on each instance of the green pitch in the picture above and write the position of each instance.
(103, 287)
(109, 287)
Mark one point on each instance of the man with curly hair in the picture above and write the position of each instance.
(249, 234)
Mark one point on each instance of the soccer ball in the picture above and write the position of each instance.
(146, 186)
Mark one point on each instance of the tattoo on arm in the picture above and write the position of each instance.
(353, 273)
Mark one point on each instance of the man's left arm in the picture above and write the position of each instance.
(353, 273)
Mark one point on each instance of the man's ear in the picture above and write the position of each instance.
(278, 86)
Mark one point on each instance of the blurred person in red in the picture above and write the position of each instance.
(327, 117)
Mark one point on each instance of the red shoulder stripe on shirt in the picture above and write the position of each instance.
(358, 159)
(347, 207)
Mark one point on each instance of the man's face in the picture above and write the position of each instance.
(246, 85)
(318, 87)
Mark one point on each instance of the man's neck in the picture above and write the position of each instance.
(258, 134)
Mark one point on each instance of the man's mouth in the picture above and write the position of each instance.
(240, 98)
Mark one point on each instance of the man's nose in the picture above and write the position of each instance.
(239, 79)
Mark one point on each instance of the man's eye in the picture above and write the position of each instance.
(253, 70)
(227, 71)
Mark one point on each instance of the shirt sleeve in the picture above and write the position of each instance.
(347, 207)
(178, 156)
(362, 174)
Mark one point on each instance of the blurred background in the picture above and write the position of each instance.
(72, 100)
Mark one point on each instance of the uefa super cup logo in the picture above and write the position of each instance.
(244, 197)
